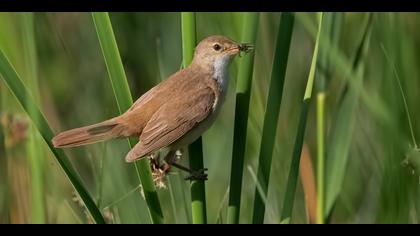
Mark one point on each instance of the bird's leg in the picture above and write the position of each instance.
(194, 174)
(171, 159)
(168, 160)
(160, 170)
(154, 161)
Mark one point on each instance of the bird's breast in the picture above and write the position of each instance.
(221, 76)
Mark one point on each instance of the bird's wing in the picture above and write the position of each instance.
(163, 87)
(139, 114)
(173, 120)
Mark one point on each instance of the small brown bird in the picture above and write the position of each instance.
(175, 112)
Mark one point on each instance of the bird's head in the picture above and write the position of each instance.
(218, 49)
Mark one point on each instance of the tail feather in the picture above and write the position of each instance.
(88, 134)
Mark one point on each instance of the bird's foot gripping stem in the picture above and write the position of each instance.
(160, 170)
(198, 175)
(194, 174)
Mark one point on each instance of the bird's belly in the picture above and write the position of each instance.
(194, 133)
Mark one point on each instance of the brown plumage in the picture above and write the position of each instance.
(173, 113)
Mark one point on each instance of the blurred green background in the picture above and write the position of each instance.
(380, 163)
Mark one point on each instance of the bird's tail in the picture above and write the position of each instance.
(88, 134)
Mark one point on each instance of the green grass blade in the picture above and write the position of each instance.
(243, 92)
(320, 138)
(22, 94)
(320, 121)
(294, 166)
(284, 37)
(195, 150)
(397, 77)
(124, 100)
(339, 144)
(198, 190)
(113, 60)
(34, 146)
(345, 66)
(331, 30)
(189, 39)
(311, 77)
(286, 215)
(258, 185)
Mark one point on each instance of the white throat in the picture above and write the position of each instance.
(220, 73)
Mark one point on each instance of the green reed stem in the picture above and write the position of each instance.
(275, 93)
(34, 146)
(294, 166)
(20, 91)
(344, 120)
(124, 100)
(243, 92)
(195, 150)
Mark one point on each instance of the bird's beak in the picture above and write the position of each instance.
(234, 49)
(241, 47)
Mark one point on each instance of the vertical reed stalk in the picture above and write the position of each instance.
(294, 166)
(344, 121)
(278, 74)
(331, 31)
(243, 92)
(124, 100)
(195, 150)
(34, 146)
(18, 88)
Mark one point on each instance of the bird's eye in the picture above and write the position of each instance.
(217, 47)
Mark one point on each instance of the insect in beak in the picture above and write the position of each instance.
(245, 47)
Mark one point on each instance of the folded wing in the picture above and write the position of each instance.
(174, 119)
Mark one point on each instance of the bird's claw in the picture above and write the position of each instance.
(197, 175)
(159, 171)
